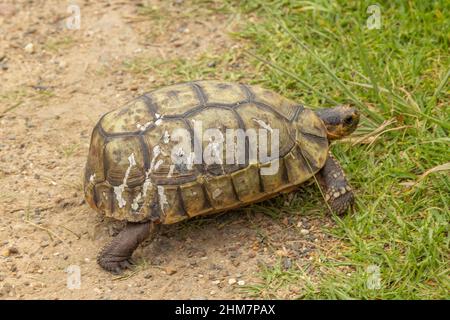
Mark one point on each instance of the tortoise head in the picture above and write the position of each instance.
(340, 121)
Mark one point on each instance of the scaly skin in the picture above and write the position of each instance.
(116, 257)
(335, 187)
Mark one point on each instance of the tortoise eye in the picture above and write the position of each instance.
(348, 120)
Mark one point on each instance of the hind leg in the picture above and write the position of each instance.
(116, 257)
(335, 187)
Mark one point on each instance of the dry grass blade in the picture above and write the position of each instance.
(368, 138)
(442, 167)
(3, 113)
(50, 233)
(387, 130)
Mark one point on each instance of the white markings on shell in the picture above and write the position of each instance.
(170, 173)
(162, 198)
(135, 204)
(157, 165)
(263, 125)
(143, 194)
(154, 165)
(92, 178)
(180, 153)
(158, 119)
(119, 190)
(166, 137)
(156, 153)
(144, 126)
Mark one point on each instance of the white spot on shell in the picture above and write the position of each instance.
(166, 137)
(216, 193)
(263, 124)
(135, 204)
(172, 167)
(143, 194)
(158, 164)
(92, 178)
(119, 190)
(162, 198)
(158, 119)
(156, 153)
(180, 152)
(144, 126)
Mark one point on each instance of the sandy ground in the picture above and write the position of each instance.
(55, 84)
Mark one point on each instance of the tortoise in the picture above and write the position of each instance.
(139, 170)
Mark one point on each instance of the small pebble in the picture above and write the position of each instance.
(29, 48)
(231, 281)
(9, 251)
(304, 232)
(170, 271)
(241, 282)
(44, 244)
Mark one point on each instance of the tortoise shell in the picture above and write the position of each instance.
(132, 173)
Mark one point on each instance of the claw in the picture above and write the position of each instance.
(115, 265)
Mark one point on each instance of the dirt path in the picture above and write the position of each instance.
(55, 84)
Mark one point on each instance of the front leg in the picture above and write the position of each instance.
(116, 256)
(334, 185)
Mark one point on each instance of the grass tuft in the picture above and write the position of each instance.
(322, 53)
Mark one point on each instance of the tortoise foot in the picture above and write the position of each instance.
(338, 193)
(116, 257)
(340, 204)
(113, 264)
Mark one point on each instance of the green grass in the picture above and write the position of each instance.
(225, 66)
(322, 53)
(62, 43)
